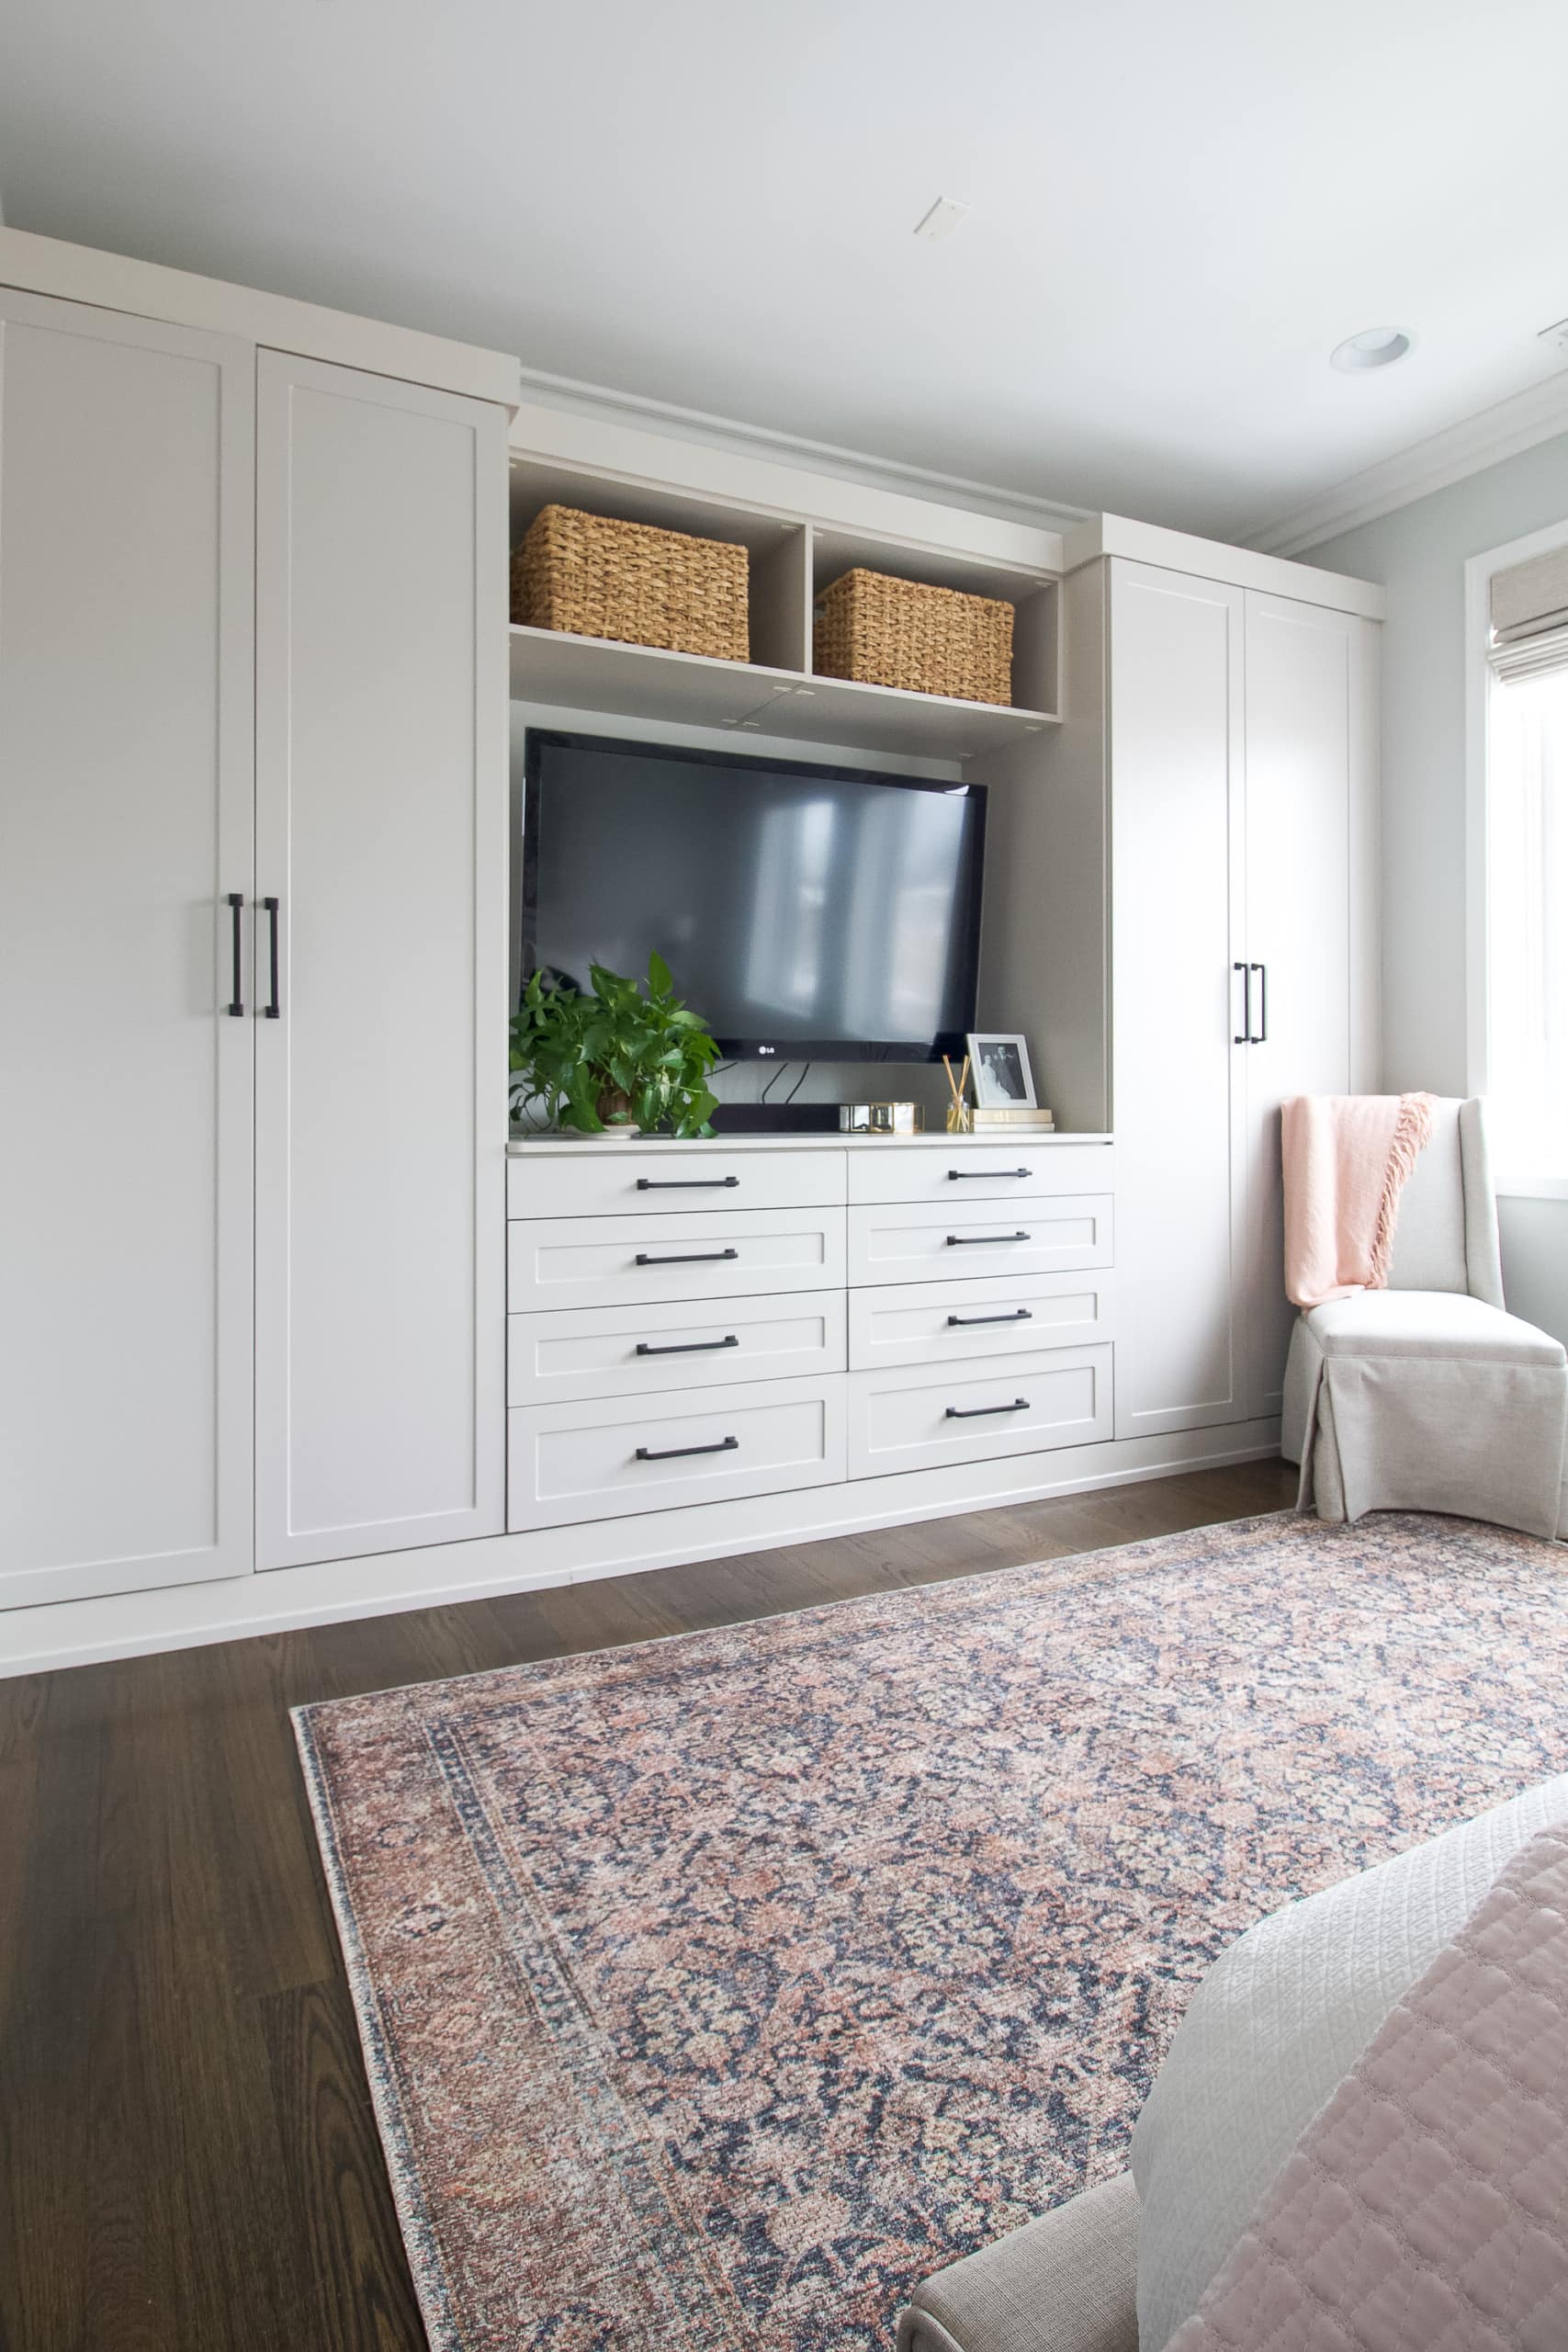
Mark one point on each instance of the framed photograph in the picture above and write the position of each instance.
(999, 1065)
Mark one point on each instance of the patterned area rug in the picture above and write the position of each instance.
(715, 1990)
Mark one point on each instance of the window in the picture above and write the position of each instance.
(1523, 845)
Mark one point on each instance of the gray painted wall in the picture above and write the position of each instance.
(1419, 555)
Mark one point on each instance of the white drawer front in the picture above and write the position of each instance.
(622, 1261)
(915, 1244)
(620, 1180)
(918, 1419)
(603, 1460)
(968, 1171)
(631, 1351)
(950, 1322)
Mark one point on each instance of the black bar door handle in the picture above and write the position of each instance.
(272, 1009)
(687, 1184)
(981, 1175)
(973, 1240)
(1262, 972)
(688, 1258)
(679, 1453)
(978, 1412)
(688, 1347)
(1015, 1314)
(1245, 1036)
(236, 1004)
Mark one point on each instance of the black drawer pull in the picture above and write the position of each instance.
(687, 1184)
(977, 1412)
(1014, 1314)
(688, 1258)
(679, 1453)
(981, 1175)
(973, 1240)
(688, 1347)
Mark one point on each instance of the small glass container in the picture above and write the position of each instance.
(960, 1119)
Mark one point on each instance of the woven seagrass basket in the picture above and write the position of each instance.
(597, 577)
(889, 632)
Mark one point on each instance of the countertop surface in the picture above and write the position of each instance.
(1011, 1138)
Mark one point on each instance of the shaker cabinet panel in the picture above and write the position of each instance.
(126, 494)
(382, 775)
(1177, 812)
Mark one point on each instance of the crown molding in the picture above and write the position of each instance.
(854, 464)
(1521, 422)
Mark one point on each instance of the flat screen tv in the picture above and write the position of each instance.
(807, 911)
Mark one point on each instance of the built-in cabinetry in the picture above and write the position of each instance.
(1238, 732)
(689, 1324)
(252, 956)
(380, 798)
(1201, 839)
(262, 1304)
(796, 546)
(126, 821)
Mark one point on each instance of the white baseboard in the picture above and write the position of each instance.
(82, 1633)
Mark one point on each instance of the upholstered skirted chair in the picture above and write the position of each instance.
(1429, 1395)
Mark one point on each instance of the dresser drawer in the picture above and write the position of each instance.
(642, 1351)
(911, 1323)
(912, 1243)
(622, 1261)
(600, 1460)
(964, 1171)
(920, 1418)
(622, 1180)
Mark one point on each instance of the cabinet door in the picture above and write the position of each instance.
(381, 1089)
(125, 822)
(1177, 868)
(1307, 767)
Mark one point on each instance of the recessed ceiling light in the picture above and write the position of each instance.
(1374, 348)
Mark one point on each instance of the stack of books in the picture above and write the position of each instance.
(1013, 1116)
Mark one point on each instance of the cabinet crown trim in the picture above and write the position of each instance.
(307, 330)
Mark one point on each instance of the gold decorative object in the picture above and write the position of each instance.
(879, 1118)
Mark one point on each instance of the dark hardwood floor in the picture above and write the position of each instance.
(190, 2161)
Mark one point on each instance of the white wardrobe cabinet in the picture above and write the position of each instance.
(380, 1110)
(1240, 733)
(1311, 678)
(125, 824)
(1177, 819)
(252, 957)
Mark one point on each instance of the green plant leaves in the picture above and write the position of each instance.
(570, 1046)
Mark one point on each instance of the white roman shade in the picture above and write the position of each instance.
(1530, 617)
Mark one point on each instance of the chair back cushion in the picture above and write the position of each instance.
(1428, 1240)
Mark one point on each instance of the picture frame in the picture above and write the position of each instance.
(998, 1067)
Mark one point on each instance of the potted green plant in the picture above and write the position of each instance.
(619, 1058)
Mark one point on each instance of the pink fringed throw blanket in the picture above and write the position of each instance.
(1425, 2209)
(1347, 1159)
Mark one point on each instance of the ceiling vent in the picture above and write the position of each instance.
(942, 220)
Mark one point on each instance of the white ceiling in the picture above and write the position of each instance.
(1178, 209)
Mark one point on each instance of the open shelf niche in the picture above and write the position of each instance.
(777, 692)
